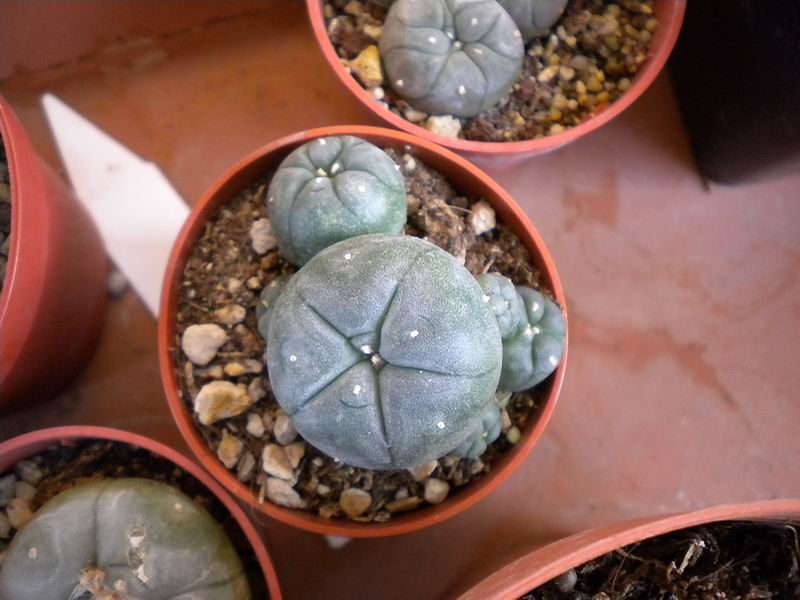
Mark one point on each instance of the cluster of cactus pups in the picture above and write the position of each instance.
(459, 57)
(383, 349)
(122, 538)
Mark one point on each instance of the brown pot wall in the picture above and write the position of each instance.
(53, 301)
(465, 177)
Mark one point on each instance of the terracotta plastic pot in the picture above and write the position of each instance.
(30, 444)
(464, 177)
(540, 566)
(53, 302)
(504, 154)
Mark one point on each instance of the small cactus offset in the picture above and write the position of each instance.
(534, 18)
(488, 430)
(384, 352)
(505, 302)
(451, 57)
(122, 538)
(537, 348)
(332, 189)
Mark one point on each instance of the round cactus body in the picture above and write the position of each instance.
(137, 537)
(451, 57)
(505, 302)
(536, 350)
(332, 189)
(488, 430)
(534, 17)
(383, 352)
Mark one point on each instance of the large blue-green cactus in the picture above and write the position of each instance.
(451, 57)
(534, 17)
(332, 189)
(137, 537)
(537, 348)
(384, 352)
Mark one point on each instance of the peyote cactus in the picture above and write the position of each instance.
(332, 189)
(534, 17)
(505, 302)
(537, 348)
(451, 57)
(133, 538)
(383, 352)
(269, 295)
(487, 431)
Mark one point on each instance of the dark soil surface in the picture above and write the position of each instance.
(586, 63)
(66, 466)
(725, 561)
(224, 253)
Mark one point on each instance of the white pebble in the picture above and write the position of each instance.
(482, 217)
(231, 314)
(221, 400)
(261, 236)
(229, 449)
(422, 472)
(445, 126)
(284, 430)
(354, 502)
(255, 425)
(275, 463)
(19, 513)
(200, 343)
(281, 493)
(436, 491)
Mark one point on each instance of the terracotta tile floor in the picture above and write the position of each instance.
(682, 388)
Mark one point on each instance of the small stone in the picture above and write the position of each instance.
(409, 164)
(254, 283)
(212, 372)
(234, 285)
(261, 236)
(436, 491)
(24, 491)
(231, 314)
(482, 218)
(547, 74)
(329, 11)
(505, 421)
(415, 116)
(201, 342)
(295, 453)
(7, 489)
(354, 502)
(247, 467)
(566, 581)
(445, 126)
(354, 7)
(281, 493)
(367, 66)
(403, 505)
(5, 528)
(19, 513)
(234, 369)
(229, 449)
(566, 73)
(256, 389)
(422, 472)
(513, 435)
(373, 31)
(275, 463)
(322, 490)
(221, 400)
(29, 471)
(401, 494)
(284, 430)
(255, 425)
(378, 93)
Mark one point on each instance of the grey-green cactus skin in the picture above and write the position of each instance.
(536, 350)
(383, 352)
(332, 189)
(534, 18)
(152, 538)
(451, 57)
(487, 431)
(266, 302)
(505, 302)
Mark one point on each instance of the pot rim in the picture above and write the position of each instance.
(34, 442)
(221, 192)
(660, 49)
(549, 561)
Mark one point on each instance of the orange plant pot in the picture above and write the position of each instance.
(465, 177)
(540, 566)
(53, 301)
(670, 14)
(31, 444)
